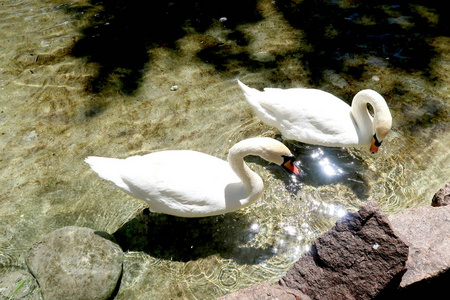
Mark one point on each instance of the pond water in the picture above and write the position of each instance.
(120, 78)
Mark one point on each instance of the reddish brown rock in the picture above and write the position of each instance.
(356, 259)
(265, 291)
(361, 257)
(442, 197)
(426, 230)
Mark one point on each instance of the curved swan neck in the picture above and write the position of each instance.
(359, 109)
(373, 98)
(361, 114)
(251, 181)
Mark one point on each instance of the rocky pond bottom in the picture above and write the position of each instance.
(365, 255)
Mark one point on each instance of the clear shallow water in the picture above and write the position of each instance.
(82, 78)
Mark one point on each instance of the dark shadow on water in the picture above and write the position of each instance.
(390, 33)
(342, 36)
(122, 33)
(424, 113)
(187, 239)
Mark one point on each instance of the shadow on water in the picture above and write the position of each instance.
(122, 32)
(341, 33)
(423, 113)
(394, 33)
(187, 239)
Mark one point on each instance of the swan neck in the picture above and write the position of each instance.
(360, 114)
(382, 119)
(364, 97)
(251, 181)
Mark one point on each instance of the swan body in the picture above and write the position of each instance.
(193, 184)
(316, 117)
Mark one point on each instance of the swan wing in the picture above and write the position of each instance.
(184, 183)
(307, 115)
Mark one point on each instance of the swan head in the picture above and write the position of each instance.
(277, 153)
(382, 119)
(382, 125)
(267, 148)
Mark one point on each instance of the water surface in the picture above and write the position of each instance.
(115, 79)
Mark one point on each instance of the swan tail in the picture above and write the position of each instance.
(108, 169)
(256, 98)
(248, 91)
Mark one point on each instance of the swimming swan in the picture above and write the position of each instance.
(193, 184)
(317, 117)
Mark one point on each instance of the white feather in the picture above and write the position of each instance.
(316, 117)
(189, 183)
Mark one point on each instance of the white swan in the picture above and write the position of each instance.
(193, 184)
(317, 117)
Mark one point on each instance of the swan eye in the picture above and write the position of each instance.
(288, 164)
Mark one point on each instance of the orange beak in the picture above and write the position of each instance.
(291, 167)
(374, 147)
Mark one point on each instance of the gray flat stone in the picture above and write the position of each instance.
(75, 263)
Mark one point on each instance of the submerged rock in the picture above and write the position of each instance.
(442, 197)
(19, 284)
(76, 263)
(356, 259)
